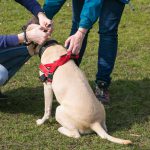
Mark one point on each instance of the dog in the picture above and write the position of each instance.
(79, 111)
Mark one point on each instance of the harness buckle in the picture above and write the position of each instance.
(43, 78)
(50, 77)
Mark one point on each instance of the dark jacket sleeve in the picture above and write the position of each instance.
(51, 7)
(32, 5)
(8, 41)
(89, 14)
(125, 1)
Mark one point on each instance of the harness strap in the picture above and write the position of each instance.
(49, 69)
(44, 69)
(46, 75)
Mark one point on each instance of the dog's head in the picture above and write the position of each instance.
(33, 48)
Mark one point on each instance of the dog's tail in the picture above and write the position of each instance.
(104, 135)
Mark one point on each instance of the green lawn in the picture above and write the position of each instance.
(128, 116)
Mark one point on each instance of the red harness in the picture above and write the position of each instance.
(49, 69)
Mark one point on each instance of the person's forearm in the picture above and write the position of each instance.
(24, 37)
(32, 5)
(90, 13)
(52, 7)
(8, 41)
(83, 30)
(20, 38)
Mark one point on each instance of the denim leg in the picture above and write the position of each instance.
(3, 75)
(108, 33)
(76, 8)
(13, 59)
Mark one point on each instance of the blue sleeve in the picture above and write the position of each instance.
(125, 1)
(51, 7)
(32, 5)
(90, 13)
(8, 41)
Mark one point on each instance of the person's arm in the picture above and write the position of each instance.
(51, 7)
(32, 5)
(90, 13)
(8, 41)
(36, 34)
(125, 1)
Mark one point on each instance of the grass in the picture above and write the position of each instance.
(128, 116)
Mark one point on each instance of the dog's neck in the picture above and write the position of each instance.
(52, 53)
(35, 49)
(47, 44)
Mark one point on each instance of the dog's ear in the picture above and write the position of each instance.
(33, 20)
(31, 26)
(34, 49)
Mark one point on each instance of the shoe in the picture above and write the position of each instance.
(102, 92)
(3, 97)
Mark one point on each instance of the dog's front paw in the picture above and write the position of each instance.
(39, 122)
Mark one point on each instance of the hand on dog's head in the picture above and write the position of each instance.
(33, 23)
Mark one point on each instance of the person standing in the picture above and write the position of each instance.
(85, 13)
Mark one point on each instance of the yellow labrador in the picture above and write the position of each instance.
(79, 111)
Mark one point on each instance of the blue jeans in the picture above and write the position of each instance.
(3, 75)
(11, 60)
(109, 19)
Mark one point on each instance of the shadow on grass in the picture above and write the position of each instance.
(26, 100)
(130, 103)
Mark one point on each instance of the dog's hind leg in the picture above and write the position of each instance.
(48, 95)
(67, 128)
